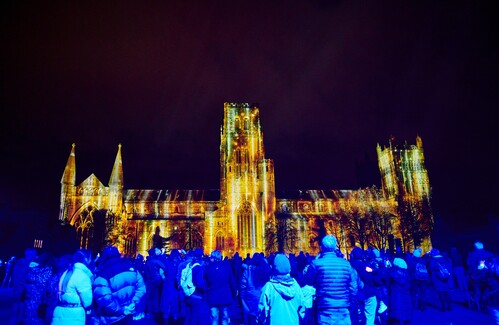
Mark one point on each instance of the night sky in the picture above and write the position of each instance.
(332, 79)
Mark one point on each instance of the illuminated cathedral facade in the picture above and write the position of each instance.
(247, 214)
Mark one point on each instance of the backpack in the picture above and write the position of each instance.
(186, 283)
(420, 272)
(443, 273)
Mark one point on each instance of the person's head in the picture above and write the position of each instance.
(110, 252)
(417, 252)
(400, 263)
(357, 254)
(216, 256)
(434, 252)
(328, 243)
(62, 263)
(83, 256)
(198, 254)
(30, 253)
(46, 259)
(478, 245)
(281, 265)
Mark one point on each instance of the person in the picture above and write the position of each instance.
(440, 275)
(254, 276)
(221, 288)
(419, 279)
(19, 270)
(35, 284)
(196, 306)
(281, 301)
(335, 282)
(158, 241)
(118, 287)
(139, 265)
(51, 296)
(75, 291)
(478, 270)
(458, 269)
(361, 262)
(400, 304)
(154, 275)
(170, 299)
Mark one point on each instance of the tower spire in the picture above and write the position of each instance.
(116, 178)
(69, 175)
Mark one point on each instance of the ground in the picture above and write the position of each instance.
(461, 314)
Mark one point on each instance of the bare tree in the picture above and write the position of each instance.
(282, 234)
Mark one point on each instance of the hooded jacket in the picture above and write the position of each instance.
(281, 302)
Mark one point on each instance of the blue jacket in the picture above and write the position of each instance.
(116, 286)
(334, 279)
(281, 302)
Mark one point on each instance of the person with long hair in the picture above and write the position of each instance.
(74, 291)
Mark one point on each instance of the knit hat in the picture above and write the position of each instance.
(281, 264)
(375, 252)
(400, 263)
(417, 252)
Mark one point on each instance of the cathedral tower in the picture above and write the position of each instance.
(247, 186)
(116, 185)
(68, 182)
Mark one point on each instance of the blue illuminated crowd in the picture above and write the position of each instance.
(371, 287)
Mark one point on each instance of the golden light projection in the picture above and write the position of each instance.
(245, 215)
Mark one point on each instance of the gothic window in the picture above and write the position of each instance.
(220, 241)
(245, 213)
(246, 123)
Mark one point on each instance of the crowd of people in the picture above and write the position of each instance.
(371, 287)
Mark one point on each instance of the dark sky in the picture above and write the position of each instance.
(332, 78)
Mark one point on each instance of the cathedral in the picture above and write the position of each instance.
(247, 214)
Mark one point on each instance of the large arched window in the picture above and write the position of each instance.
(220, 241)
(245, 225)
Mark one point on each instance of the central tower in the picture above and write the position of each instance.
(247, 186)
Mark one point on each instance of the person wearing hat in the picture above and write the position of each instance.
(281, 301)
(400, 303)
(440, 274)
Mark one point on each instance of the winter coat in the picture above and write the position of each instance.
(170, 296)
(116, 286)
(221, 285)
(412, 265)
(334, 279)
(251, 287)
(35, 284)
(281, 302)
(76, 297)
(433, 268)
(369, 279)
(400, 303)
